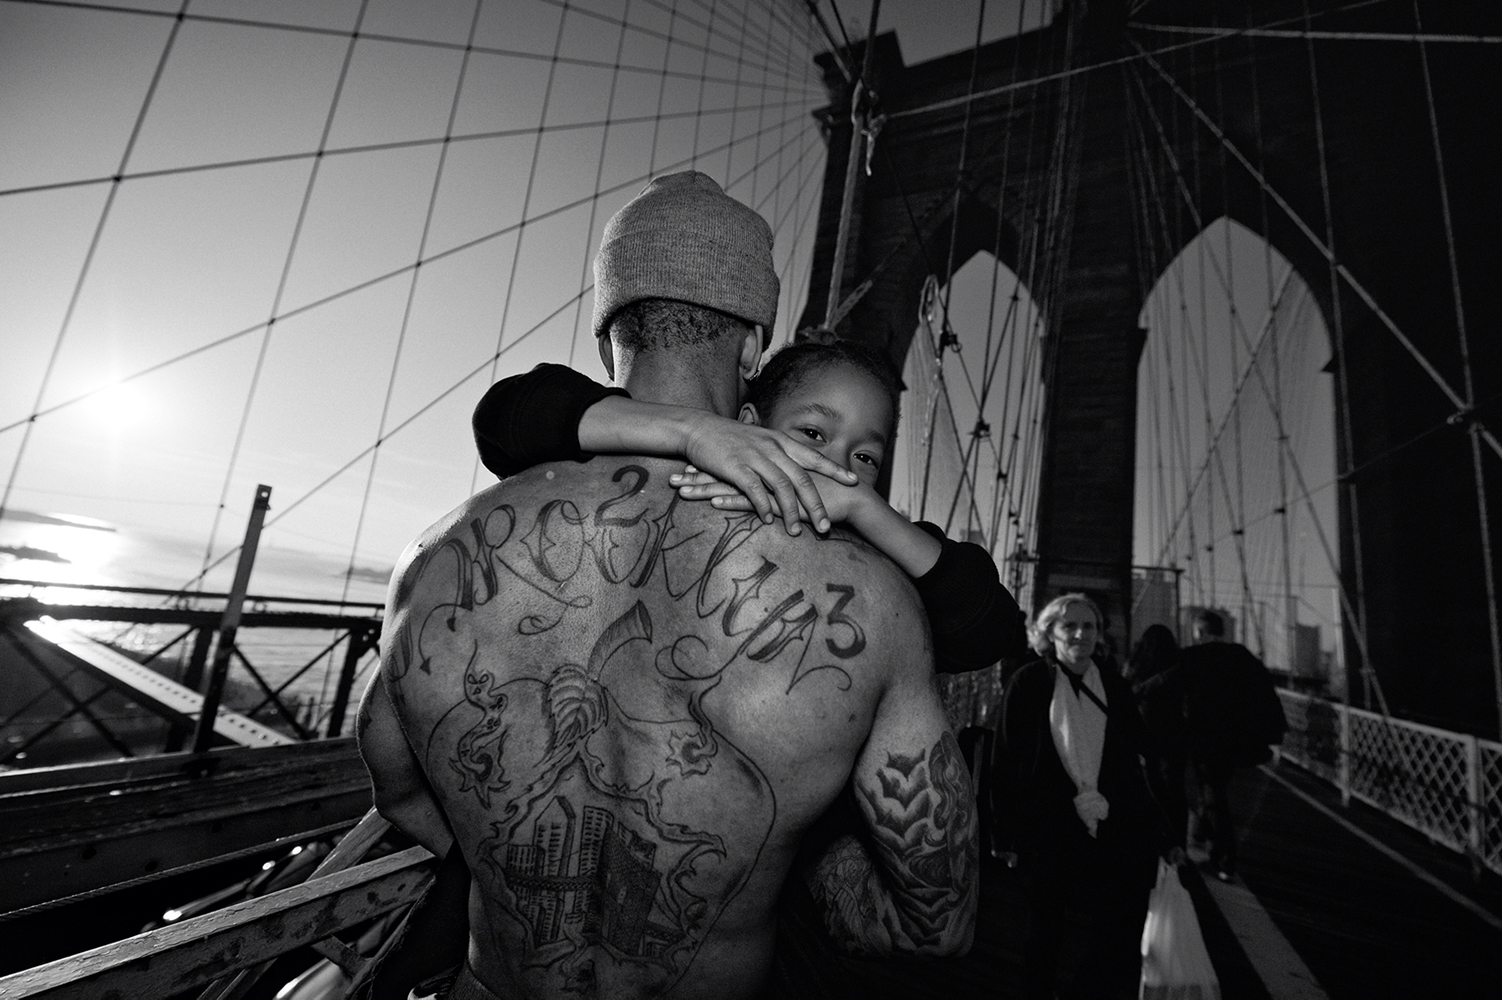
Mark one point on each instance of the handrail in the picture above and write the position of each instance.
(1446, 785)
(226, 950)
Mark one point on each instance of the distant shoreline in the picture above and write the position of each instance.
(32, 517)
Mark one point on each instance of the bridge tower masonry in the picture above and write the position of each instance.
(1053, 181)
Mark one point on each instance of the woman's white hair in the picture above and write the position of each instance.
(1038, 631)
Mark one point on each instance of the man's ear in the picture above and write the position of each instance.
(749, 414)
(607, 355)
(750, 357)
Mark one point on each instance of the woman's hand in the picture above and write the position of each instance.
(770, 472)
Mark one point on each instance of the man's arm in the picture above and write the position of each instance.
(400, 788)
(908, 885)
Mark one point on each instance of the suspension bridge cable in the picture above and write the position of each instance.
(489, 362)
(1213, 438)
(800, 228)
(348, 291)
(401, 337)
(1341, 354)
(397, 428)
(281, 285)
(408, 41)
(1418, 37)
(88, 259)
(378, 147)
(1357, 632)
(1345, 274)
(1179, 418)
(1074, 71)
(589, 228)
(1282, 508)
(1238, 513)
(1489, 568)
(954, 212)
(1021, 491)
(703, 72)
(839, 55)
(569, 7)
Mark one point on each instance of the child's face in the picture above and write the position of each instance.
(843, 413)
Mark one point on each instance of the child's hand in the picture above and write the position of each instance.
(768, 469)
(840, 502)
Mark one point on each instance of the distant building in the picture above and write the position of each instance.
(1306, 659)
(1155, 601)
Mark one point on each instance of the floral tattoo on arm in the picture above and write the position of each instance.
(911, 887)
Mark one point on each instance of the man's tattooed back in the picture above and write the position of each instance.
(628, 709)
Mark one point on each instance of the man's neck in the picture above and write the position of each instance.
(660, 377)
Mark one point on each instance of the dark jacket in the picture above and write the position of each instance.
(1032, 795)
(532, 418)
(1233, 709)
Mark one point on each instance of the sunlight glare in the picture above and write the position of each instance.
(121, 406)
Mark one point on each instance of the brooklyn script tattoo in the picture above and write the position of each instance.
(594, 807)
(923, 818)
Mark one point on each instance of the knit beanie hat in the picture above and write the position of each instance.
(684, 238)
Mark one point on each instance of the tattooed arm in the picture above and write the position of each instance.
(908, 885)
(402, 795)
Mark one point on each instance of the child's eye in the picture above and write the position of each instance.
(870, 460)
(812, 433)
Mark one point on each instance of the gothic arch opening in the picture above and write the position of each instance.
(968, 441)
(1235, 494)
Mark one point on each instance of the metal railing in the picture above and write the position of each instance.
(1446, 785)
(293, 664)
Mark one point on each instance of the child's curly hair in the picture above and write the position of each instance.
(790, 367)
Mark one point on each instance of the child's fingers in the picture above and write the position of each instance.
(691, 477)
(708, 491)
(814, 461)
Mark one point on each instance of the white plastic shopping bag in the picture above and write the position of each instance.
(1175, 964)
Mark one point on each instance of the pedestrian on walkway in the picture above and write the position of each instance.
(1073, 812)
(1160, 682)
(1234, 717)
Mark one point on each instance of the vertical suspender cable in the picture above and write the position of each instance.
(521, 230)
(401, 338)
(1489, 566)
(88, 259)
(1341, 359)
(281, 287)
(594, 203)
(1289, 604)
(858, 121)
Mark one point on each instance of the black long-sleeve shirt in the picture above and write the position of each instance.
(532, 418)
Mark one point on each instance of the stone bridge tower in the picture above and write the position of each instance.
(1338, 117)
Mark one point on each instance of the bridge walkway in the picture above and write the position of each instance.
(1331, 902)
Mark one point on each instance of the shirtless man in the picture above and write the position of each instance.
(627, 710)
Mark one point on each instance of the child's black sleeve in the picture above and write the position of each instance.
(975, 620)
(529, 419)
